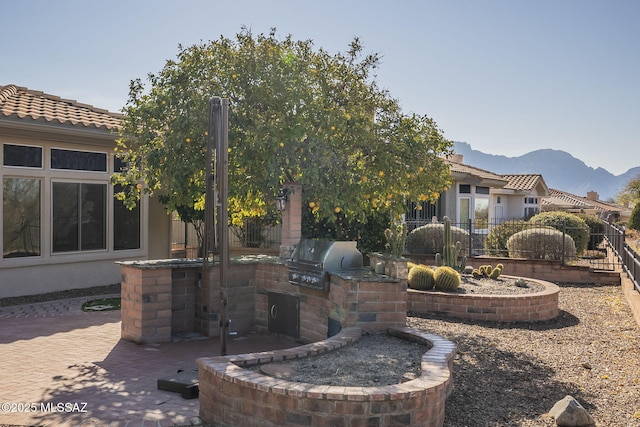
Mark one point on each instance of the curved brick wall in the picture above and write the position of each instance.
(499, 308)
(233, 396)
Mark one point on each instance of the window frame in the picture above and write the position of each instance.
(46, 175)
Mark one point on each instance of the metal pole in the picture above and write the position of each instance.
(209, 204)
(222, 179)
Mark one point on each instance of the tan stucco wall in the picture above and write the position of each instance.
(159, 231)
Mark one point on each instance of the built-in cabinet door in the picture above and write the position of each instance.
(284, 314)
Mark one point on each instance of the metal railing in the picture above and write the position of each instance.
(481, 241)
(629, 258)
(185, 242)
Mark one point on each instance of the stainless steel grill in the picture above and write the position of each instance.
(313, 260)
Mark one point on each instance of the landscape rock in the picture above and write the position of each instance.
(569, 412)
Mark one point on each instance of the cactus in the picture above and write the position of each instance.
(446, 278)
(485, 271)
(396, 237)
(450, 251)
(495, 273)
(421, 277)
(410, 265)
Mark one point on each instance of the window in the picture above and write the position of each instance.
(481, 213)
(78, 160)
(21, 217)
(126, 225)
(529, 212)
(530, 207)
(473, 204)
(465, 212)
(79, 216)
(22, 155)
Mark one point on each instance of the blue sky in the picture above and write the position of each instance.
(506, 76)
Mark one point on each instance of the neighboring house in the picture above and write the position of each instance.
(482, 197)
(558, 200)
(521, 197)
(61, 226)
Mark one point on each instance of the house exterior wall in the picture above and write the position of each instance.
(449, 203)
(54, 270)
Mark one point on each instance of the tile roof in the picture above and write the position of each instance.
(21, 103)
(520, 182)
(461, 168)
(558, 198)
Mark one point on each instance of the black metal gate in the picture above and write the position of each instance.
(284, 314)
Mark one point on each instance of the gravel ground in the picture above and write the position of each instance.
(513, 374)
(349, 367)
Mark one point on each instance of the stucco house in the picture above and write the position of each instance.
(61, 226)
(482, 197)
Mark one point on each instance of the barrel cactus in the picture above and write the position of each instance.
(496, 272)
(421, 278)
(446, 279)
(487, 271)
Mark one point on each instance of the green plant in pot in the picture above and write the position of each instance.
(396, 237)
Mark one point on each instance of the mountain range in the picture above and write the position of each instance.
(559, 169)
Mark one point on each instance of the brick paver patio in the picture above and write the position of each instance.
(61, 366)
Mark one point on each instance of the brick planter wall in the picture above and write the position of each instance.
(233, 396)
(498, 308)
(537, 269)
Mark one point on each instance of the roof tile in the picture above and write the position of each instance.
(20, 102)
(522, 181)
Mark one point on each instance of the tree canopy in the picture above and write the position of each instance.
(297, 114)
(630, 194)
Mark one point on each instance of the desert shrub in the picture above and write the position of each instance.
(634, 221)
(539, 243)
(575, 226)
(496, 242)
(429, 239)
(421, 278)
(596, 230)
(446, 279)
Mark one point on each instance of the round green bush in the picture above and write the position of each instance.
(541, 243)
(446, 279)
(575, 226)
(634, 220)
(421, 278)
(496, 242)
(596, 230)
(429, 239)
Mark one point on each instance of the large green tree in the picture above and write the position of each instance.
(297, 114)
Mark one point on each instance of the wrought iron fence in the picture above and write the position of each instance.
(490, 239)
(186, 244)
(629, 258)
